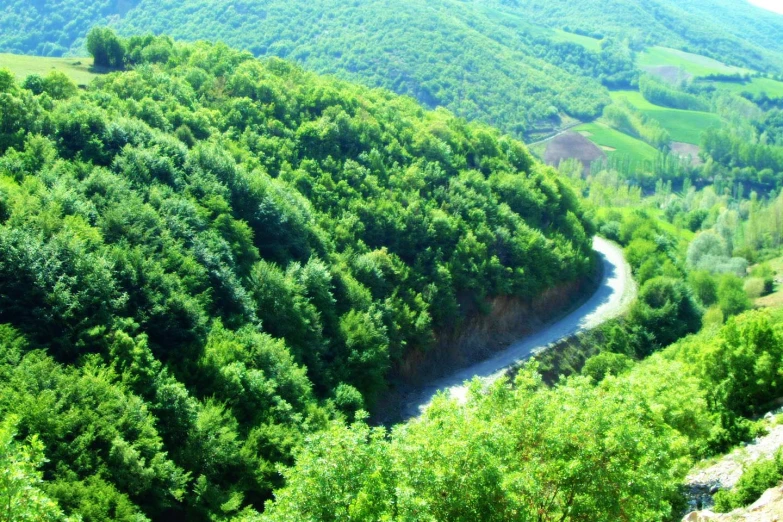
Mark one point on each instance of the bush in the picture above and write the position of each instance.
(603, 364)
(755, 480)
(732, 298)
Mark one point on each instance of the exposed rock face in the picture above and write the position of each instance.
(703, 483)
(769, 508)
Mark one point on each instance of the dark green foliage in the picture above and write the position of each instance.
(667, 310)
(212, 256)
(106, 49)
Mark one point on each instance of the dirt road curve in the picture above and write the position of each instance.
(615, 293)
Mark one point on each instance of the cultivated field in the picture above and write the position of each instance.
(572, 145)
(683, 126)
(693, 64)
(615, 142)
(771, 88)
(78, 69)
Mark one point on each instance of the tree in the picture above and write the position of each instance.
(731, 295)
(21, 497)
(106, 48)
(666, 308)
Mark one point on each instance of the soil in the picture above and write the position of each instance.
(572, 145)
(685, 150)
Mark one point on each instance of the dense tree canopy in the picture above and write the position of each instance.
(207, 257)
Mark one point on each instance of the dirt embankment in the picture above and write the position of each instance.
(532, 326)
(481, 335)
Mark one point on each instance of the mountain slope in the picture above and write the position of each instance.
(206, 258)
(497, 61)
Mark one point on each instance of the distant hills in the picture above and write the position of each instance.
(521, 65)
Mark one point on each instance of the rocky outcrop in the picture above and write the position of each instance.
(769, 508)
(702, 483)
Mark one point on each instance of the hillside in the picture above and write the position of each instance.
(221, 254)
(506, 63)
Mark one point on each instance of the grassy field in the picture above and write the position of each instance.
(615, 142)
(694, 64)
(772, 88)
(684, 126)
(587, 42)
(78, 69)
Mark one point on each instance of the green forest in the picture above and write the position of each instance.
(208, 257)
(237, 238)
(497, 61)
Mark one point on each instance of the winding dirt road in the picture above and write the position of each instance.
(613, 297)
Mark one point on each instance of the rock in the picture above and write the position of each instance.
(769, 497)
(701, 516)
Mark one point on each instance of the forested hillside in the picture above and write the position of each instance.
(499, 62)
(207, 257)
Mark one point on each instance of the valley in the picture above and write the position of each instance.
(443, 260)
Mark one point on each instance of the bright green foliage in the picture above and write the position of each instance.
(744, 364)
(212, 257)
(731, 295)
(755, 479)
(571, 453)
(704, 287)
(625, 118)
(600, 366)
(659, 93)
(21, 497)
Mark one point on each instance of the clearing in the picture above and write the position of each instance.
(687, 150)
(683, 126)
(756, 86)
(588, 42)
(775, 299)
(80, 70)
(616, 142)
(694, 64)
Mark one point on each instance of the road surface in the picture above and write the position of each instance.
(613, 297)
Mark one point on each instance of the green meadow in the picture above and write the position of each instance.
(616, 142)
(684, 126)
(78, 69)
(592, 44)
(694, 64)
